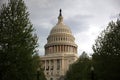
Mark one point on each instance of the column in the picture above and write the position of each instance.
(74, 49)
(57, 48)
(70, 48)
(49, 50)
(63, 48)
(62, 65)
(45, 65)
(49, 67)
(53, 49)
(60, 48)
(54, 66)
(67, 48)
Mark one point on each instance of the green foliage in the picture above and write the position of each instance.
(106, 55)
(17, 43)
(37, 63)
(80, 70)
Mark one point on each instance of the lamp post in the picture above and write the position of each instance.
(38, 73)
(92, 73)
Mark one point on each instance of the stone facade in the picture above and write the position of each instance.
(60, 51)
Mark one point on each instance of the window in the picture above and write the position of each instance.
(47, 68)
(52, 63)
(47, 73)
(51, 78)
(47, 65)
(58, 64)
(51, 67)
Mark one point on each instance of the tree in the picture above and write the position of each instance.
(106, 55)
(80, 70)
(17, 43)
(37, 62)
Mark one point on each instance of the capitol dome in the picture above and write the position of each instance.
(60, 39)
(60, 28)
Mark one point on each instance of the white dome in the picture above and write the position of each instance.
(60, 28)
(60, 35)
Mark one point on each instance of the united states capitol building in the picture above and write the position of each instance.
(60, 51)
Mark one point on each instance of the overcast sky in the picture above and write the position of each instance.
(86, 18)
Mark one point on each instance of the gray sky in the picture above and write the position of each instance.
(86, 18)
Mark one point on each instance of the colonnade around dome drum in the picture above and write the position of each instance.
(60, 49)
(60, 38)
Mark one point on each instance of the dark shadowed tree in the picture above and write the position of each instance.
(80, 70)
(38, 67)
(17, 43)
(106, 55)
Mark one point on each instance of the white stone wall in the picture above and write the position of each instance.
(56, 66)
